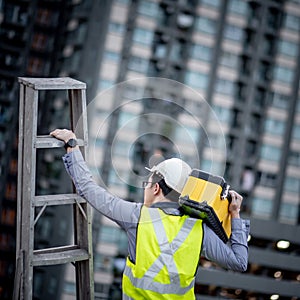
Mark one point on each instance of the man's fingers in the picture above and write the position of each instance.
(57, 133)
(236, 196)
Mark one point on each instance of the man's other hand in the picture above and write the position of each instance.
(63, 134)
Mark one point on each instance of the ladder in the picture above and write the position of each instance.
(79, 253)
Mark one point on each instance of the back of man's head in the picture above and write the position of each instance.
(171, 174)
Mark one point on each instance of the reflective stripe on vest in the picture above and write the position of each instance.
(165, 259)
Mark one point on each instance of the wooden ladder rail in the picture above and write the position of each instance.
(80, 254)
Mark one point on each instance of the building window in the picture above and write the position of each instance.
(271, 153)
(138, 64)
(103, 263)
(288, 48)
(52, 285)
(273, 18)
(223, 114)
(38, 283)
(292, 184)
(112, 56)
(292, 22)
(206, 165)
(7, 242)
(294, 158)
(261, 207)
(121, 148)
(229, 59)
(296, 132)
(70, 288)
(11, 61)
(187, 134)
(5, 86)
(143, 36)
(224, 86)
(47, 17)
(263, 72)
(8, 216)
(44, 227)
(268, 45)
(128, 120)
(42, 42)
(177, 50)
(118, 177)
(3, 267)
(251, 149)
(133, 92)
(215, 141)
(279, 100)
(206, 25)
(237, 118)
(160, 50)
(233, 33)
(250, 38)
(6, 114)
(13, 169)
(201, 52)
(289, 212)
(15, 14)
(275, 127)
(283, 74)
(196, 79)
(78, 36)
(238, 7)
(260, 97)
(245, 65)
(213, 3)
(122, 1)
(35, 66)
(148, 8)
(117, 28)
(267, 179)
(105, 84)
(72, 60)
(109, 234)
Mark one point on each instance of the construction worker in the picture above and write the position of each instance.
(164, 245)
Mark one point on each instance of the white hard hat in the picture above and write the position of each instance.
(174, 171)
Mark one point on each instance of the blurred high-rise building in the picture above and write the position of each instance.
(237, 116)
(215, 82)
(42, 39)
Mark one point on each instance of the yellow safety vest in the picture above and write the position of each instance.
(167, 254)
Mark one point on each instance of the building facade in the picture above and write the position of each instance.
(217, 84)
(41, 39)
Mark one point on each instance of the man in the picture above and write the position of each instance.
(164, 245)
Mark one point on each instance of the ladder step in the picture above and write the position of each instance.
(59, 199)
(47, 141)
(59, 255)
(61, 83)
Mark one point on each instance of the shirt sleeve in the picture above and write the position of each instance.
(122, 212)
(234, 254)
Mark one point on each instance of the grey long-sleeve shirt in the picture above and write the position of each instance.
(233, 255)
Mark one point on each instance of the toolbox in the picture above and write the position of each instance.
(206, 196)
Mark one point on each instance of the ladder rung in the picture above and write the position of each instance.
(59, 199)
(59, 255)
(61, 83)
(47, 141)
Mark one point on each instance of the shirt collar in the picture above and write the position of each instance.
(170, 208)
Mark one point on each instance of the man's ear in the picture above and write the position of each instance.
(156, 189)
